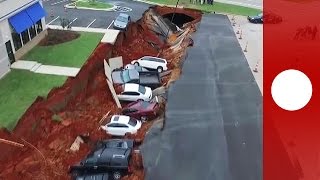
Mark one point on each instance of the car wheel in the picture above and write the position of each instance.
(159, 69)
(136, 63)
(75, 173)
(116, 175)
(143, 118)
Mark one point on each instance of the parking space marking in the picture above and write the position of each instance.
(72, 21)
(91, 23)
(53, 20)
(59, 2)
(110, 24)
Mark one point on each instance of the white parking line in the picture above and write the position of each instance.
(91, 23)
(72, 21)
(110, 24)
(59, 2)
(53, 20)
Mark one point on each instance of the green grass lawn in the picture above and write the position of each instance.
(217, 7)
(96, 4)
(19, 89)
(71, 54)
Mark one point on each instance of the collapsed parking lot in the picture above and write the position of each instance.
(204, 106)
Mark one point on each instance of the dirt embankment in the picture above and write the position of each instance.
(80, 103)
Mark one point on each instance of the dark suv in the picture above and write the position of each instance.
(109, 156)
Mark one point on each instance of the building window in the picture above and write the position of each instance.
(16, 40)
(25, 36)
(39, 26)
(32, 31)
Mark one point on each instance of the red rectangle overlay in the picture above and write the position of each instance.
(291, 147)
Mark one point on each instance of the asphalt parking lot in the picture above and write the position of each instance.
(89, 18)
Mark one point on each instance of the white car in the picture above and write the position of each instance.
(135, 92)
(121, 125)
(150, 62)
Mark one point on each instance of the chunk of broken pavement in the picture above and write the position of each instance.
(76, 144)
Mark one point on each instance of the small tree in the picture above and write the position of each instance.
(63, 23)
(56, 118)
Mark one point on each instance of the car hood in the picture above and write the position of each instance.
(116, 77)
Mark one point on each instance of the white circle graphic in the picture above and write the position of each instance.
(291, 90)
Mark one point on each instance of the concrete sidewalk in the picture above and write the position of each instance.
(252, 44)
(58, 70)
(36, 67)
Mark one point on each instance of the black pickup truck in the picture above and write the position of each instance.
(150, 78)
(109, 156)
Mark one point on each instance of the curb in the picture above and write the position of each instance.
(71, 6)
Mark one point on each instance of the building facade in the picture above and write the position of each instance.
(22, 26)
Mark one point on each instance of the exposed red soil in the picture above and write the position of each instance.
(58, 36)
(81, 102)
(133, 44)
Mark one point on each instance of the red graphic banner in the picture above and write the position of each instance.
(291, 148)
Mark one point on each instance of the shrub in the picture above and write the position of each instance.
(56, 118)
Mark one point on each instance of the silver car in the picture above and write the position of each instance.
(125, 76)
(122, 21)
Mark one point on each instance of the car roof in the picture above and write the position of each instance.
(139, 104)
(120, 119)
(131, 87)
(133, 73)
(153, 57)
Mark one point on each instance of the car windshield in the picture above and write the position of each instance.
(132, 122)
(116, 144)
(121, 18)
(138, 68)
(260, 15)
(142, 89)
(125, 76)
